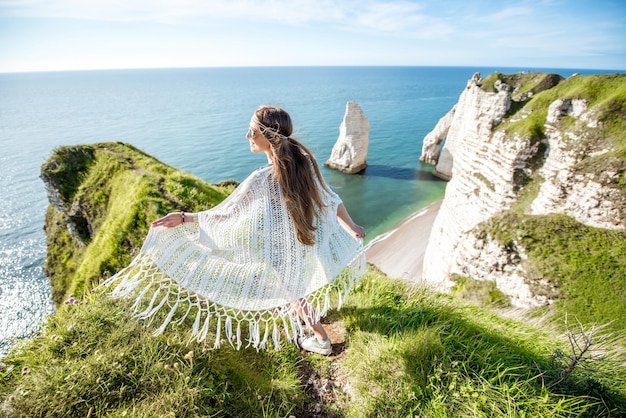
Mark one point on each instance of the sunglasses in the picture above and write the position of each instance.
(250, 133)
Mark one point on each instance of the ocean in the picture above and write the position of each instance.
(195, 120)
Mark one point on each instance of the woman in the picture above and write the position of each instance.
(269, 255)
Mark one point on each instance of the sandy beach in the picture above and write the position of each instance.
(400, 253)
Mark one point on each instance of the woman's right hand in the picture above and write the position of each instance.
(169, 221)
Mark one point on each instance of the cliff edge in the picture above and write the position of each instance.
(102, 200)
(531, 157)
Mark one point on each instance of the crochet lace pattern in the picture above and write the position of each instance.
(242, 265)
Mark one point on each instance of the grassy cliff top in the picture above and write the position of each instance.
(602, 146)
(525, 84)
(105, 197)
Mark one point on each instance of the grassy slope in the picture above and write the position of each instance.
(606, 97)
(409, 353)
(586, 265)
(523, 83)
(120, 190)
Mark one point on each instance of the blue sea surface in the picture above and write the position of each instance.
(195, 120)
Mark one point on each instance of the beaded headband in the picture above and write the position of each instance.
(266, 130)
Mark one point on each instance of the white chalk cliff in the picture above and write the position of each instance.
(488, 161)
(472, 117)
(349, 153)
(585, 197)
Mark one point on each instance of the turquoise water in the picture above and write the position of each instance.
(196, 119)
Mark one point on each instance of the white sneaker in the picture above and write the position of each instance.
(311, 343)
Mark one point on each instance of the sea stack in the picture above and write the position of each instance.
(349, 153)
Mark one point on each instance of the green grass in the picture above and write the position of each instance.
(522, 83)
(605, 94)
(118, 191)
(526, 86)
(94, 359)
(446, 360)
(409, 353)
(480, 292)
(587, 265)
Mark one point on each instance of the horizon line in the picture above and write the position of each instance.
(305, 66)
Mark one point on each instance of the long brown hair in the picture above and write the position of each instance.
(295, 169)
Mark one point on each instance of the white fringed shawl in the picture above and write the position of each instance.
(242, 264)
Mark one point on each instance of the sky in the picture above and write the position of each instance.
(53, 35)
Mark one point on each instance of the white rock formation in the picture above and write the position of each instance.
(581, 196)
(349, 153)
(484, 165)
(432, 145)
(483, 258)
(473, 116)
(477, 190)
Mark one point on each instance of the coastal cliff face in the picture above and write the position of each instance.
(469, 120)
(349, 154)
(102, 200)
(531, 144)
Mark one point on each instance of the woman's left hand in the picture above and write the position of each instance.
(169, 221)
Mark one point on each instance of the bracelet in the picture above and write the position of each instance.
(182, 216)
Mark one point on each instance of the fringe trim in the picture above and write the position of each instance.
(155, 292)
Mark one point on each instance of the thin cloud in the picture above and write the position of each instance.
(327, 31)
(149, 10)
(400, 17)
(507, 14)
(544, 27)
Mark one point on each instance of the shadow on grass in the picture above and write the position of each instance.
(453, 347)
